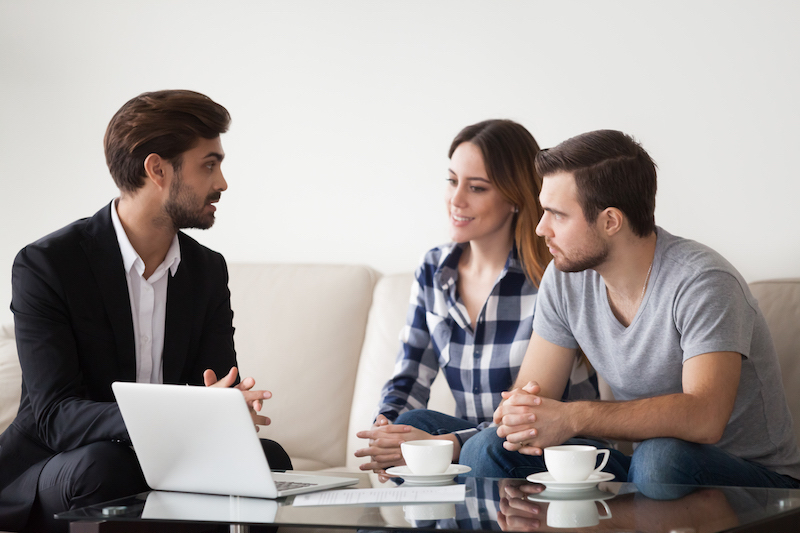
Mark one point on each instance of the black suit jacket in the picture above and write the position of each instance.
(74, 330)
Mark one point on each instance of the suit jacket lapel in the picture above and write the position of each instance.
(105, 260)
(178, 323)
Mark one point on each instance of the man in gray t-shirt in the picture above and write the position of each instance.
(669, 324)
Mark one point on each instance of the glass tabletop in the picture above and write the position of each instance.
(489, 505)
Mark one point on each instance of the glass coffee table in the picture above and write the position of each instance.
(489, 505)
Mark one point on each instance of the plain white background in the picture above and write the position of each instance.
(343, 112)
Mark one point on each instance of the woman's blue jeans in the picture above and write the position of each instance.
(655, 461)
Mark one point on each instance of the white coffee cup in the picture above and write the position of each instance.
(580, 513)
(573, 462)
(427, 456)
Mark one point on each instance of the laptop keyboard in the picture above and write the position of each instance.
(288, 485)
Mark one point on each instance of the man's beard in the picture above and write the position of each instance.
(584, 260)
(185, 209)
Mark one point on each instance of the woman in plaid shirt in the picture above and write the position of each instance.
(471, 309)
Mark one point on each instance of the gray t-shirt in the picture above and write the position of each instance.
(696, 302)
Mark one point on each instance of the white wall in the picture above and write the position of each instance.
(343, 112)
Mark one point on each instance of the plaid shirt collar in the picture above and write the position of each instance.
(447, 277)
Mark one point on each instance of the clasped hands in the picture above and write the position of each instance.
(385, 439)
(253, 398)
(530, 422)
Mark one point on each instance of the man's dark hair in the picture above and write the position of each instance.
(611, 169)
(167, 123)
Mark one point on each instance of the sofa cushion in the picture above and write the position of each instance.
(779, 300)
(10, 376)
(299, 331)
(381, 344)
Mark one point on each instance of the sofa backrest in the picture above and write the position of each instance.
(288, 315)
(779, 300)
(299, 331)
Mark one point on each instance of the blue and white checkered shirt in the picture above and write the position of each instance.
(478, 364)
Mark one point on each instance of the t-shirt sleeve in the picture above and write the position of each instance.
(713, 314)
(550, 321)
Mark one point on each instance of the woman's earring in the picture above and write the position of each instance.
(516, 209)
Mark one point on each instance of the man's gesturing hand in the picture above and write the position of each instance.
(253, 398)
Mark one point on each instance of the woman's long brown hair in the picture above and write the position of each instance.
(509, 151)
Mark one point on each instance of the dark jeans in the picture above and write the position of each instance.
(655, 461)
(100, 472)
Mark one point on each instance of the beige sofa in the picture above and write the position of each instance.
(323, 339)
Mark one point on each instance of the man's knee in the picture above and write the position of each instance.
(664, 461)
(485, 455)
(91, 474)
(107, 470)
(475, 452)
(482, 443)
(276, 456)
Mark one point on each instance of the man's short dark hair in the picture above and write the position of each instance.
(611, 169)
(167, 123)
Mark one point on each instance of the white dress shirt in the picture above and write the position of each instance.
(148, 302)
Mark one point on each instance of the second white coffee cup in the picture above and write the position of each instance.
(427, 456)
(573, 462)
(578, 513)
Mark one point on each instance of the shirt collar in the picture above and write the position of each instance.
(447, 272)
(448, 266)
(129, 255)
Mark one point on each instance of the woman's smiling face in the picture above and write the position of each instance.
(475, 208)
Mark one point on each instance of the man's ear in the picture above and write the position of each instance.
(157, 170)
(611, 220)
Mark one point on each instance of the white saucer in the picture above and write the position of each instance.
(593, 494)
(427, 479)
(546, 479)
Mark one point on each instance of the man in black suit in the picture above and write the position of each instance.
(121, 296)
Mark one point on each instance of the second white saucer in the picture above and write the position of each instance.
(546, 479)
(427, 479)
(593, 493)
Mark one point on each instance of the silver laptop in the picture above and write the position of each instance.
(202, 439)
(162, 505)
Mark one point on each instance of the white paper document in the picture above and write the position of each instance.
(449, 493)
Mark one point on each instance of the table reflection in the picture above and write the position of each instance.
(478, 511)
(517, 505)
(528, 507)
(489, 505)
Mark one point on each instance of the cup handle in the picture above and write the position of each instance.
(606, 455)
(608, 511)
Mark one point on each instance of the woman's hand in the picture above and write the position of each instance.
(384, 445)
